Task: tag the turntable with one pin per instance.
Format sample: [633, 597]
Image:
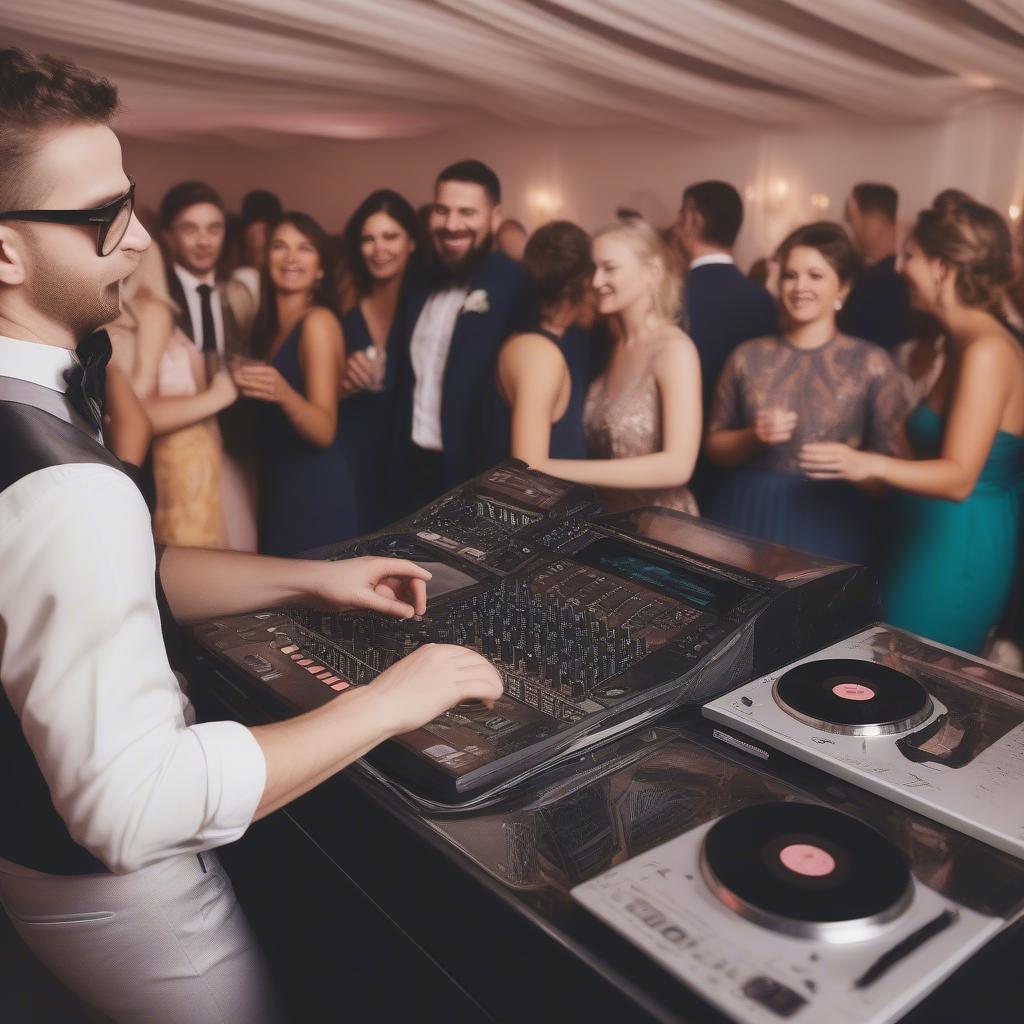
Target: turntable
[789, 910]
[928, 727]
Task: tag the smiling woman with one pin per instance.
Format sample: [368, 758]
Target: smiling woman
[809, 384]
[381, 240]
[306, 493]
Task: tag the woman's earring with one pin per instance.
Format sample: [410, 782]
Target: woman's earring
[838, 305]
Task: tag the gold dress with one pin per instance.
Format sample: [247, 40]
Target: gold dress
[187, 463]
[625, 425]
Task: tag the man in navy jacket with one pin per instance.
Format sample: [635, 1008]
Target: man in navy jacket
[460, 314]
[724, 307]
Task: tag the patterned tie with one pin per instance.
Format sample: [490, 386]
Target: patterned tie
[87, 379]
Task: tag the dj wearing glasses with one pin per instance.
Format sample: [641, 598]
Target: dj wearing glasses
[110, 799]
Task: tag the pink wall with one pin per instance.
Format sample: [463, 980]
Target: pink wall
[585, 174]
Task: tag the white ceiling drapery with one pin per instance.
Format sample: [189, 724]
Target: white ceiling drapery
[369, 69]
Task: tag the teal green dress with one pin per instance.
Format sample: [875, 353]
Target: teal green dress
[953, 562]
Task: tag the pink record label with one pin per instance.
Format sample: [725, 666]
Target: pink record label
[804, 859]
[853, 691]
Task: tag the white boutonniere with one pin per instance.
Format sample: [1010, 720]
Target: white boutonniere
[476, 302]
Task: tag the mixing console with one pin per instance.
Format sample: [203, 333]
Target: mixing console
[594, 623]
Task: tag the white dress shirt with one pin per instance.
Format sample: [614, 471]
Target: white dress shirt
[711, 257]
[250, 277]
[44, 365]
[428, 351]
[83, 663]
[190, 284]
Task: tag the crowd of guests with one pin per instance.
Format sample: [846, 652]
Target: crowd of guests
[300, 388]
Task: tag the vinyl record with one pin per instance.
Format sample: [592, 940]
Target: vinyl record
[857, 698]
[806, 870]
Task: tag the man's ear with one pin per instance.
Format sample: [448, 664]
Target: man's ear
[12, 257]
[698, 223]
[497, 219]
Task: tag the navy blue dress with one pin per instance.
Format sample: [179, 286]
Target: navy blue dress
[365, 422]
[568, 440]
[306, 494]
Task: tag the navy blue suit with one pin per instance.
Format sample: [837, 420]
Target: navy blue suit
[725, 308]
[877, 308]
[469, 390]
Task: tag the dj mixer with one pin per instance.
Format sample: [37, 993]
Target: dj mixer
[595, 622]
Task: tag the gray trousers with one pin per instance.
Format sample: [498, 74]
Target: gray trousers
[168, 944]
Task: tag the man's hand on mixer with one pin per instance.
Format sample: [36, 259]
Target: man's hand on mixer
[432, 679]
[201, 584]
[393, 586]
[303, 751]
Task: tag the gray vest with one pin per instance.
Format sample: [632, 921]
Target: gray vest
[40, 429]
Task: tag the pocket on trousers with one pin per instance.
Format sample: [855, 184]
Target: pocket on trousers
[47, 919]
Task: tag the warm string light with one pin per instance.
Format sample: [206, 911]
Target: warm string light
[820, 201]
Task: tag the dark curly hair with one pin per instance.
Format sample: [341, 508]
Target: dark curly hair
[558, 261]
[974, 241]
[39, 92]
[831, 240]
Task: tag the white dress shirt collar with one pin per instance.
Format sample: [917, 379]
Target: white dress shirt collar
[36, 362]
[190, 282]
[710, 258]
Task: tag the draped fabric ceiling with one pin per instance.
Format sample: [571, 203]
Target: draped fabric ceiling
[359, 69]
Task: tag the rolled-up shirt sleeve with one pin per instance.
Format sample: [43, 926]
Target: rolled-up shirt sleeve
[83, 664]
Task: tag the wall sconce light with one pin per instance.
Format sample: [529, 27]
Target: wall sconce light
[1014, 212]
[544, 203]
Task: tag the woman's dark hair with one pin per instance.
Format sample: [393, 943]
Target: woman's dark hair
[974, 241]
[831, 240]
[324, 294]
[398, 208]
[558, 261]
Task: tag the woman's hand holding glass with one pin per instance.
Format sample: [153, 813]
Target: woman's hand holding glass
[364, 370]
[775, 426]
[257, 379]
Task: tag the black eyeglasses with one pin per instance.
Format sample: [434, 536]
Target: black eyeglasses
[111, 219]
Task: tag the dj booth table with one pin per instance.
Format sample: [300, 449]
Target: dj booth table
[611, 632]
[370, 910]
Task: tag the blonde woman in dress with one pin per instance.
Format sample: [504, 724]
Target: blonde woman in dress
[642, 416]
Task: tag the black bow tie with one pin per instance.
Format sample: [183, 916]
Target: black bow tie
[87, 379]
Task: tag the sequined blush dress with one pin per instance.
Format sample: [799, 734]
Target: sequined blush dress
[626, 425]
[846, 390]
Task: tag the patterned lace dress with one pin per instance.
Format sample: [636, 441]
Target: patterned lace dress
[625, 425]
[846, 390]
